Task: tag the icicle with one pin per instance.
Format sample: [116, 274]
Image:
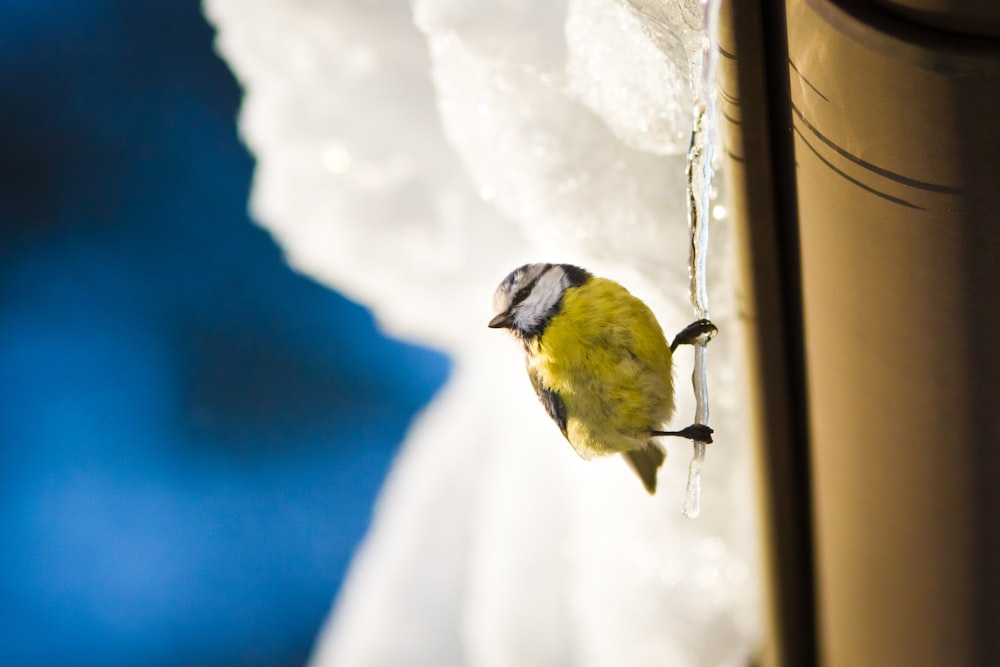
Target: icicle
[699, 183]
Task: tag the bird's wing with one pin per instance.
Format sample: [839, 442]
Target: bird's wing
[551, 400]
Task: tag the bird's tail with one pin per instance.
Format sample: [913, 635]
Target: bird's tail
[646, 462]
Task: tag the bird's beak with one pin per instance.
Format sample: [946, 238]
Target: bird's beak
[501, 321]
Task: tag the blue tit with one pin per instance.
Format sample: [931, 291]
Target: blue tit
[598, 360]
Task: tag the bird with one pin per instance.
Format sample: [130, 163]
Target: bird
[598, 360]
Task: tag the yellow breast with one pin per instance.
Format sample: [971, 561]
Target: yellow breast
[607, 358]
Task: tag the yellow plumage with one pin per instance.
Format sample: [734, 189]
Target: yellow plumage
[606, 357]
[598, 361]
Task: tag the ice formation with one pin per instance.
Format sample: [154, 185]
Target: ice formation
[410, 155]
[700, 185]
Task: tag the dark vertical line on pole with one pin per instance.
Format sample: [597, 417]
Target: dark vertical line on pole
[799, 596]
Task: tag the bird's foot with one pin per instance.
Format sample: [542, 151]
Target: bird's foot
[696, 432]
[690, 334]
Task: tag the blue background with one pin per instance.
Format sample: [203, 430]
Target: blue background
[191, 434]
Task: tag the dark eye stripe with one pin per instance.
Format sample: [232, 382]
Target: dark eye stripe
[523, 293]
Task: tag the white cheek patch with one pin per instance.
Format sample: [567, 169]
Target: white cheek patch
[508, 288]
[543, 299]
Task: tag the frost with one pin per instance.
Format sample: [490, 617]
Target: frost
[409, 156]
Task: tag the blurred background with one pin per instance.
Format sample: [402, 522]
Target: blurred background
[192, 435]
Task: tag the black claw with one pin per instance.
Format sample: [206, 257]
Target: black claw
[696, 432]
[699, 433]
[692, 332]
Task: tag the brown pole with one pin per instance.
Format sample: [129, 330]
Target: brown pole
[897, 142]
[886, 275]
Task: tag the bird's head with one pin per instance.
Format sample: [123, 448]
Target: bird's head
[531, 294]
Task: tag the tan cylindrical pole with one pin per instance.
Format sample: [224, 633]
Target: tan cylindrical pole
[872, 294]
[897, 145]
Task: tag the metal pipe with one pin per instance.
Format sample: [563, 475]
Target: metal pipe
[892, 248]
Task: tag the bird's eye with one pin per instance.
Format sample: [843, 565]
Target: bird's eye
[521, 295]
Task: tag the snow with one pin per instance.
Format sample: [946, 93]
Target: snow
[409, 156]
